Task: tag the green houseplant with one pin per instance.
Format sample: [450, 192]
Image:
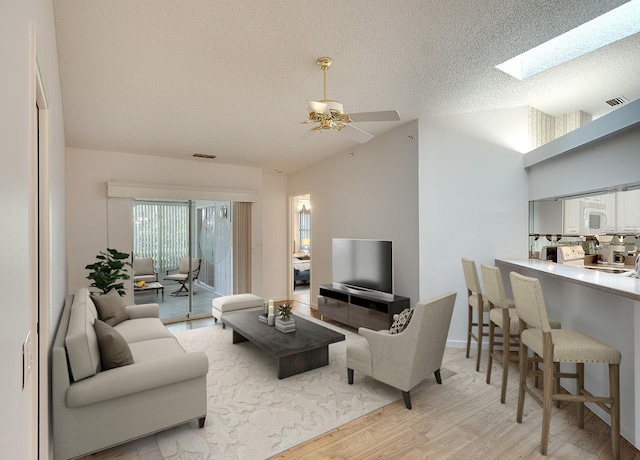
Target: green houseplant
[108, 270]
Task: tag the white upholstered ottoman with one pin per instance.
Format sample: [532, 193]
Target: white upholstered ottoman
[230, 304]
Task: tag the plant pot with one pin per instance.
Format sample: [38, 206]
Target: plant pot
[285, 325]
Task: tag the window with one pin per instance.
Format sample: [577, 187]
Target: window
[304, 229]
[161, 231]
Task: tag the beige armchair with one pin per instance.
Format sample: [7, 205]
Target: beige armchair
[404, 360]
[182, 276]
[143, 270]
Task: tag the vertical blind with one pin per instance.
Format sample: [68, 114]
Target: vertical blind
[241, 247]
[161, 231]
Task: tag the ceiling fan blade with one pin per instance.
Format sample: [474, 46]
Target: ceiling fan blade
[357, 134]
[388, 115]
[319, 107]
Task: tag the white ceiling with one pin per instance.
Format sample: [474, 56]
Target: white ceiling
[232, 78]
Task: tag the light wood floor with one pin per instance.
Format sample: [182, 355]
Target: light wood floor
[460, 419]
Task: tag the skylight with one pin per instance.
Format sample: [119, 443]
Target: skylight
[615, 25]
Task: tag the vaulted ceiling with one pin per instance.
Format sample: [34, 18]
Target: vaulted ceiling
[232, 78]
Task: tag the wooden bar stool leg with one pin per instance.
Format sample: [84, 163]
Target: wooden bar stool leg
[480, 324]
[556, 382]
[506, 348]
[547, 390]
[469, 329]
[524, 367]
[614, 392]
[491, 345]
[580, 388]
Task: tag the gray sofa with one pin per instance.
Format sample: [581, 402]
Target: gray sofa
[95, 409]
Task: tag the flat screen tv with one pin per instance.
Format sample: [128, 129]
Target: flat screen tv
[361, 264]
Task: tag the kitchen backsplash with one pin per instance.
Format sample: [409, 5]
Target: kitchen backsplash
[588, 243]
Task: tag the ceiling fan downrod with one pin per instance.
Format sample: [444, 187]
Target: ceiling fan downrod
[325, 64]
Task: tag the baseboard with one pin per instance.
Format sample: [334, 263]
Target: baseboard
[463, 344]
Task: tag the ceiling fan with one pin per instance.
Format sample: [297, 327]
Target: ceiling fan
[329, 114]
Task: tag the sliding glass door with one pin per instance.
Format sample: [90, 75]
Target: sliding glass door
[185, 245]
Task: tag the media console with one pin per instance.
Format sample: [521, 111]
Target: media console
[360, 309]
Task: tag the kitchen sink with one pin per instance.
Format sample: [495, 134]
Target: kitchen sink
[613, 270]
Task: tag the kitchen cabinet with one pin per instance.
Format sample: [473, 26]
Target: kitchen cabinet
[575, 214]
[567, 216]
[628, 211]
[609, 200]
[571, 216]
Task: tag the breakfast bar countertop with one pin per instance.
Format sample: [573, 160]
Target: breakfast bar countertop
[623, 286]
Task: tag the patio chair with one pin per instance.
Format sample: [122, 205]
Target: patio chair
[143, 270]
[182, 275]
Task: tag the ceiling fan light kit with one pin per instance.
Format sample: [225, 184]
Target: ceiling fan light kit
[329, 114]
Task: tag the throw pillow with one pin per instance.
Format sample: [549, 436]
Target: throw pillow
[110, 307]
[401, 322]
[114, 349]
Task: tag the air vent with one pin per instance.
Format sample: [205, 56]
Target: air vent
[617, 101]
[204, 155]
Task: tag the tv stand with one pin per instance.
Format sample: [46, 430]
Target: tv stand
[359, 309]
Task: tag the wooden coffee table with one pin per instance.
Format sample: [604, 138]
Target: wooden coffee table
[296, 352]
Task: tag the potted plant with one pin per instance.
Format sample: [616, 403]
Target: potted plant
[108, 270]
[284, 321]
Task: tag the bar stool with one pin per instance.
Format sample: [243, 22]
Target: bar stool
[502, 311]
[476, 302]
[561, 346]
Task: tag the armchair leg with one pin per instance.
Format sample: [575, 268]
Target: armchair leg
[407, 399]
[182, 288]
[438, 376]
[201, 421]
[350, 376]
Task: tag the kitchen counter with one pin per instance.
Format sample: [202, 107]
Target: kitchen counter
[603, 305]
[611, 283]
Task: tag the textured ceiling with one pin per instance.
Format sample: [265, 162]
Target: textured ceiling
[232, 78]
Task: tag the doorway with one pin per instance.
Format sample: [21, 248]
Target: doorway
[301, 244]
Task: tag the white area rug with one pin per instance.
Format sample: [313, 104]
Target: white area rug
[253, 415]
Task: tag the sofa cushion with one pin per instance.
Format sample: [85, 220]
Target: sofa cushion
[145, 278]
[401, 323]
[114, 351]
[80, 341]
[150, 350]
[183, 266]
[138, 330]
[110, 307]
[143, 266]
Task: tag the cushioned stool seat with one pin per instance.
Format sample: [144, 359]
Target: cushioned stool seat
[230, 304]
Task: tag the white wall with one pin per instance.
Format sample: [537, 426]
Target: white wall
[88, 207]
[274, 236]
[604, 164]
[370, 194]
[18, 93]
[473, 203]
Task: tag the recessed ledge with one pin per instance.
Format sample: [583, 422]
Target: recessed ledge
[620, 119]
